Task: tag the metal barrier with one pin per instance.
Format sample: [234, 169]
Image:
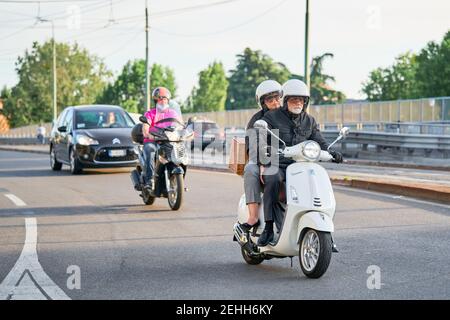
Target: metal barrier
[417, 110]
[409, 142]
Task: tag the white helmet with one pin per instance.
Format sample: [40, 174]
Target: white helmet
[266, 87]
[295, 87]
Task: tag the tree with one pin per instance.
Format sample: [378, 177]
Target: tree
[128, 90]
[395, 82]
[80, 78]
[321, 91]
[426, 74]
[433, 70]
[211, 93]
[252, 68]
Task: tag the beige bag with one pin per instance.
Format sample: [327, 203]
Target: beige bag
[238, 156]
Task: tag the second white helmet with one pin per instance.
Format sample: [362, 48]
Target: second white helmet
[295, 87]
[266, 87]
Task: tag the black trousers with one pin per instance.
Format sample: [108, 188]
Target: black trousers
[273, 211]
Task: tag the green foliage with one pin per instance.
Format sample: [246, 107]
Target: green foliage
[252, 68]
[426, 74]
[396, 82]
[128, 91]
[321, 92]
[80, 78]
[433, 71]
[211, 93]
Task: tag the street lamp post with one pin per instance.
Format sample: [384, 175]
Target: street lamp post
[307, 71]
[147, 76]
[53, 67]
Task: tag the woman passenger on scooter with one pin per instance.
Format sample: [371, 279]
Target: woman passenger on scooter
[268, 95]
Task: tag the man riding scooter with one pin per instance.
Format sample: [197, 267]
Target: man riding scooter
[161, 97]
[294, 126]
[268, 95]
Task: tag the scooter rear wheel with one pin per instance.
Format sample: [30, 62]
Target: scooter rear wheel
[249, 259]
[315, 252]
[147, 198]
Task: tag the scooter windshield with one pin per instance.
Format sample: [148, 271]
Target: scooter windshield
[168, 117]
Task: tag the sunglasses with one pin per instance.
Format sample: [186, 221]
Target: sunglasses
[271, 99]
[162, 98]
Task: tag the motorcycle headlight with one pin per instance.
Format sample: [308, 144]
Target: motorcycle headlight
[311, 150]
[173, 136]
[85, 140]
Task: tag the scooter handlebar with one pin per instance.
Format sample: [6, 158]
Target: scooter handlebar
[325, 156]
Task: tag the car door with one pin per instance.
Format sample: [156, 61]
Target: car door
[57, 135]
[66, 137]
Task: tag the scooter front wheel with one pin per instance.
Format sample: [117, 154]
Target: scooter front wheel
[175, 194]
[315, 253]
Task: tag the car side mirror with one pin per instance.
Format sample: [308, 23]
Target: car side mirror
[344, 132]
[143, 119]
[62, 129]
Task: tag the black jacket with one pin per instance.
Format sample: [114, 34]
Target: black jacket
[250, 134]
[293, 129]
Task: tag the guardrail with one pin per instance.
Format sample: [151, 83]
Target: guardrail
[409, 142]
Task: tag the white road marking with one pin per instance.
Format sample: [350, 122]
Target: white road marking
[16, 200]
[27, 279]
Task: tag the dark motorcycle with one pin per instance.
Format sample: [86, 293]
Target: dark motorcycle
[170, 163]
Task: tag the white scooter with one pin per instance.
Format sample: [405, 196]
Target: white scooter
[309, 211]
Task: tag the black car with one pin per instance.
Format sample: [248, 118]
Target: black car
[92, 136]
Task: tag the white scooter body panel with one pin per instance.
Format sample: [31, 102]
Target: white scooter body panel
[310, 204]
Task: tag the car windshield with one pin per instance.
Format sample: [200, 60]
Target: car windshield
[101, 119]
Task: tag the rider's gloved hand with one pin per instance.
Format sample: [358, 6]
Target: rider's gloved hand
[337, 156]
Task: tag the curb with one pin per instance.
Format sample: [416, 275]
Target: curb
[23, 150]
[433, 193]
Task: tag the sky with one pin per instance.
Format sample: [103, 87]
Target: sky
[187, 35]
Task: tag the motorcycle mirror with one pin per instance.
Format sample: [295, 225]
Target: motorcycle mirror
[344, 132]
[143, 119]
[260, 124]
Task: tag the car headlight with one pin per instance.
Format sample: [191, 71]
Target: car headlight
[311, 150]
[85, 140]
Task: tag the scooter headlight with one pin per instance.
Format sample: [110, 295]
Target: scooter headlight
[311, 150]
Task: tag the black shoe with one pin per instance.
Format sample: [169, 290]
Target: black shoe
[265, 238]
[247, 227]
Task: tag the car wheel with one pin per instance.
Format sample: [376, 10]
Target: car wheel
[75, 165]
[54, 163]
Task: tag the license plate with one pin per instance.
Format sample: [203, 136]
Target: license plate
[117, 153]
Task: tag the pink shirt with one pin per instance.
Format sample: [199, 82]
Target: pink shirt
[154, 116]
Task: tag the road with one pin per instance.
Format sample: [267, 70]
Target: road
[56, 227]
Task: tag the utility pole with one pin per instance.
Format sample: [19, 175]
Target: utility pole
[147, 76]
[55, 111]
[307, 80]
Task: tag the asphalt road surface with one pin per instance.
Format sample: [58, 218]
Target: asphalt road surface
[91, 237]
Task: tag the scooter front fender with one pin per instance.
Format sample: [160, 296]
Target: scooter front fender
[315, 220]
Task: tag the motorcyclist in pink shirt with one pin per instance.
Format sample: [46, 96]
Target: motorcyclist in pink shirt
[161, 96]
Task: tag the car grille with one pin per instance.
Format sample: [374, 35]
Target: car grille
[103, 155]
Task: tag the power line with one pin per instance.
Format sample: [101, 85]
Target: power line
[223, 30]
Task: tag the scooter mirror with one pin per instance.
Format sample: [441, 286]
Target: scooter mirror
[143, 119]
[260, 124]
[344, 132]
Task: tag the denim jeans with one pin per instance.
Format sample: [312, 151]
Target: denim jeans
[150, 149]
